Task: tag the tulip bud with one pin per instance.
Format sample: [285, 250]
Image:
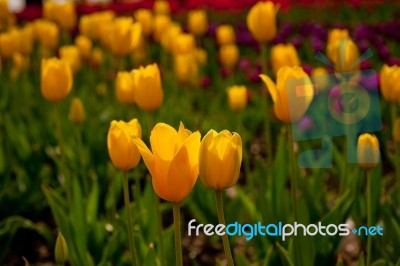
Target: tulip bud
[8, 44]
[279, 93]
[173, 161]
[186, 68]
[125, 88]
[201, 56]
[169, 38]
[122, 150]
[84, 45]
[368, 151]
[229, 56]
[76, 111]
[220, 159]
[284, 55]
[160, 26]
[390, 83]
[97, 57]
[197, 22]
[56, 79]
[149, 92]
[161, 7]
[225, 35]
[61, 250]
[70, 54]
[48, 33]
[237, 97]
[396, 131]
[184, 43]
[320, 77]
[261, 21]
[145, 18]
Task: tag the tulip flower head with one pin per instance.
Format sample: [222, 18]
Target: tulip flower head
[161, 7]
[368, 151]
[56, 79]
[71, 54]
[284, 55]
[145, 18]
[229, 56]
[122, 150]
[220, 159]
[125, 87]
[279, 93]
[390, 83]
[173, 160]
[84, 45]
[76, 111]
[197, 22]
[225, 35]
[261, 21]
[237, 97]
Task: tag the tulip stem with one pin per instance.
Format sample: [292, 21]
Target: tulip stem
[177, 225]
[159, 226]
[293, 190]
[369, 216]
[221, 220]
[393, 110]
[265, 103]
[132, 247]
[62, 153]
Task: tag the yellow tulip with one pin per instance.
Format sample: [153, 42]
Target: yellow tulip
[368, 151]
[334, 36]
[237, 97]
[61, 250]
[84, 45]
[125, 88]
[186, 68]
[320, 76]
[161, 7]
[229, 56]
[301, 98]
[122, 150]
[184, 43]
[173, 161]
[70, 54]
[225, 35]
[8, 44]
[145, 18]
[20, 62]
[26, 36]
[160, 26]
[344, 55]
[220, 159]
[197, 22]
[284, 55]
[76, 111]
[201, 56]
[148, 88]
[261, 21]
[48, 33]
[56, 79]
[168, 39]
[4, 10]
[49, 10]
[396, 131]
[390, 83]
[96, 57]
[125, 36]
[90, 25]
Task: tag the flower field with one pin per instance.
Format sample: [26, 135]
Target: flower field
[200, 133]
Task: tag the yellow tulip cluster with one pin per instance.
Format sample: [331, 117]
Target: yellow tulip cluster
[64, 14]
[141, 86]
[228, 51]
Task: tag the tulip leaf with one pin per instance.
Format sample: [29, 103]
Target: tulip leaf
[284, 254]
[380, 262]
[92, 203]
[361, 259]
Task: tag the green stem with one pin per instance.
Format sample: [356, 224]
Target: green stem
[177, 225]
[369, 216]
[60, 140]
[266, 109]
[80, 158]
[221, 220]
[159, 226]
[293, 190]
[135, 260]
[393, 109]
[150, 122]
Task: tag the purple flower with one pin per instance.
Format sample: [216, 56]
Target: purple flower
[306, 123]
[253, 76]
[205, 82]
[244, 64]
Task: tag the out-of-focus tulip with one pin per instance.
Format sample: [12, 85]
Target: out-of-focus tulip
[225, 35]
[90, 25]
[197, 22]
[334, 36]
[161, 7]
[390, 83]
[320, 77]
[4, 9]
[145, 18]
[229, 56]
[84, 45]
[48, 33]
[96, 57]
[125, 36]
[280, 95]
[344, 54]
[261, 21]
[76, 111]
[148, 88]
[368, 151]
[122, 150]
[284, 55]
[56, 79]
[168, 39]
[64, 14]
[201, 56]
[220, 159]
[237, 97]
[186, 68]
[71, 55]
[26, 36]
[61, 250]
[125, 88]
[173, 161]
[20, 62]
[184, 43]
[160, 26]
[8, 44]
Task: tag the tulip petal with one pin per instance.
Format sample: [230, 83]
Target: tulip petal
[270, 86]
[147, 156]
[164, 141]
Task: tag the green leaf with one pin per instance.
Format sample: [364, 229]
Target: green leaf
[93, 202]
[380, 262]
[361, 261]
[284, 254]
